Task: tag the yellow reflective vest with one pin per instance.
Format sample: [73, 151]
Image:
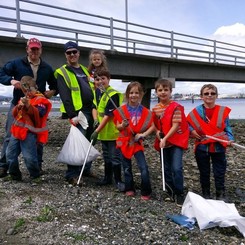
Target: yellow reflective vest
[109, 132]
[71, 81]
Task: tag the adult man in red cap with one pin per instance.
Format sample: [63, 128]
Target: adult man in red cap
[11, 74]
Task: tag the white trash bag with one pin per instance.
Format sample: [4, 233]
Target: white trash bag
[210, 213]
[75, 148]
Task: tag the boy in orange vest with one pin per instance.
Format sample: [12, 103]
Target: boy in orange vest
[28, 129]
[172, 135]
[211, 119]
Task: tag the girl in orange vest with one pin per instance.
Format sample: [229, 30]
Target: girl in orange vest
[172, 135]
[211, 119]
[28, 129]
[134, 122]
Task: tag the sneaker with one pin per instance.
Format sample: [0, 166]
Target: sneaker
[169, 198]
[3, 172]
[180, 198]
[146, 198]
[120, 186]
[130, 193]
[73, 181]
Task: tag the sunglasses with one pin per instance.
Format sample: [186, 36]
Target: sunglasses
[209, 94]
[71, 52]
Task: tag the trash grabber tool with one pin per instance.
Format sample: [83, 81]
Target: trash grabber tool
[163, 176]
[225, 141]
[85, 160]
[162, 162]
[116, 107]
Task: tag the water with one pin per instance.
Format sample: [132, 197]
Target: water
[237, 106]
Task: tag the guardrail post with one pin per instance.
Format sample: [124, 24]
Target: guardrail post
[17, 3]
[172, 45]
[111, 33]
[215, 50]
[76, 38]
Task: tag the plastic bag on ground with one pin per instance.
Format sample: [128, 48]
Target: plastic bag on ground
[75, 149]
[210, 213]
[182, 220]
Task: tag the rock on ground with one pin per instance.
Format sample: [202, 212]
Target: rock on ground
[53, 212]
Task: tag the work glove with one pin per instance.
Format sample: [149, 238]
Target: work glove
[74, 121]
[94, 137]
[96, 124]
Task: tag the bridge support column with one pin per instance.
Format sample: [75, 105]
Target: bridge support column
[147, 85]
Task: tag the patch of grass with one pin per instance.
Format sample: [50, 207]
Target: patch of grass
[46, 214]
[29, 200]
[19, 223]
[184, 238]
[76, 237]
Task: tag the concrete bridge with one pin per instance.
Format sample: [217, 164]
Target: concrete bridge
[126, 66]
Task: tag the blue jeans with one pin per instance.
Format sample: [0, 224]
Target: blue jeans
[173, 169]
[219, 163]
[145, 177]
[9, 122]
[28, 148]
[74, 171]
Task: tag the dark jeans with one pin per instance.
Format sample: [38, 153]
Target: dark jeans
[111, 154]
[173, 169]
[145, 177]
[74, 171]
[219, 164]
[28, 149]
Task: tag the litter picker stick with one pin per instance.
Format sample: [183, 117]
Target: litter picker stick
[116, 107]
[225, 141]
[163, 176]
[85, 160]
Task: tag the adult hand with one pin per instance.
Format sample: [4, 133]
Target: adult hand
[94, 137]
[16, 84]
[49, 93]
[74, 121]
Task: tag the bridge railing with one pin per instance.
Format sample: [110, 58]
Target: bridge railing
[27, 18]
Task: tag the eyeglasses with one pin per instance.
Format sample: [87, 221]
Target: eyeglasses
[209, 94]
[71, 52]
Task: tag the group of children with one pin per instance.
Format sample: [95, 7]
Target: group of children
[122, 128]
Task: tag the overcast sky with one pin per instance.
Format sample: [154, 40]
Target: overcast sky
[222, 20]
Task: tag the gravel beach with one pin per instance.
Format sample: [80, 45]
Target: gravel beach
[53, 212]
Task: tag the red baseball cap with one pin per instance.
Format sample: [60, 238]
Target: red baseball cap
[34, 43]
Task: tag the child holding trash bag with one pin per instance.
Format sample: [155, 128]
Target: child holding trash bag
[211, 119]
[172, 136]
[106, 131]
[134, 122]
[28, 129]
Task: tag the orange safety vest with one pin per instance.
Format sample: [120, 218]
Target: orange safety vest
[215, 127]
[179, 138]
[125, 140]
[21, 125]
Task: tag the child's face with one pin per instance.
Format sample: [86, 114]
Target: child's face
[134, 96]
[96, 60]
[102, 80]
[163, 93]
[209, 96]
